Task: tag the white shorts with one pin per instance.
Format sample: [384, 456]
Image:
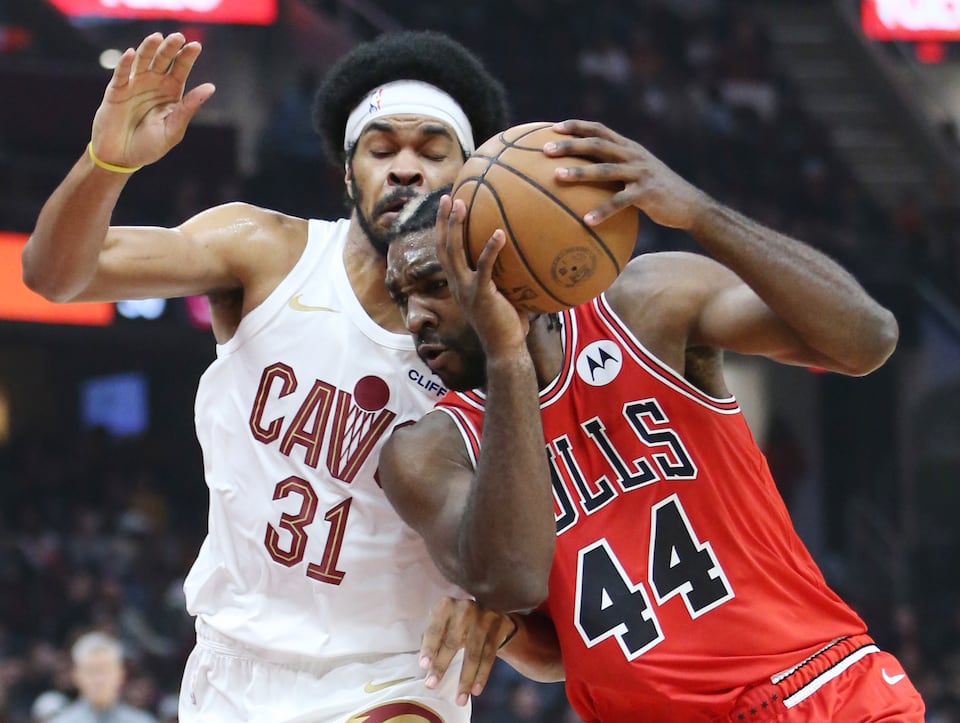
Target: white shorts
[226, 683]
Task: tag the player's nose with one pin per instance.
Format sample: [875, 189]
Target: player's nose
[419, 315]
[406, 170]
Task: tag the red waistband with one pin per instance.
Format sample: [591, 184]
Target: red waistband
[767, 700]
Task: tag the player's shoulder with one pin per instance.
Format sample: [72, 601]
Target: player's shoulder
[249, 221]
[426, 433]
[414, 444]
[669, 278]
[420, 453]
[658, 265]
[660, 295]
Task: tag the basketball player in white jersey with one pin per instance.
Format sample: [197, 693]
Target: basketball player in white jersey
[310, 594]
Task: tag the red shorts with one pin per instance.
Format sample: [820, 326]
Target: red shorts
[849, 680]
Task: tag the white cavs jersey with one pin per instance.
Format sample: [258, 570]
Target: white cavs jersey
[304, 554]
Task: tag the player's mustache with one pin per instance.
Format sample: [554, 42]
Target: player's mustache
[430, 336]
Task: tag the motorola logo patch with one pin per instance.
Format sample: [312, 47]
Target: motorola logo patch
[599, 363]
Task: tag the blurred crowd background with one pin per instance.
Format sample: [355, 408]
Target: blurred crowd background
[98, 525]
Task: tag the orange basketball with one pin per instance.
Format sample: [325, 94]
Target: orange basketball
[552, 259]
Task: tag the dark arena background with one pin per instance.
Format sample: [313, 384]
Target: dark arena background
[832, 120]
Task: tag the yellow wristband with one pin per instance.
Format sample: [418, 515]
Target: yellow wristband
[109, 166]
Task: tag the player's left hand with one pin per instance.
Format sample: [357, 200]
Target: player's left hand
[455, 624]
[649, 184]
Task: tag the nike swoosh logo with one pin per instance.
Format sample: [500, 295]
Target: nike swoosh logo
[372, 687]
[298, 305]
[892, 679]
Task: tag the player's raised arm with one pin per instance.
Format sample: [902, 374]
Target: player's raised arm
[144, 113]
[488, 522]
[784, 299]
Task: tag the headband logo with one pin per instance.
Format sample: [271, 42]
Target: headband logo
[375, 101]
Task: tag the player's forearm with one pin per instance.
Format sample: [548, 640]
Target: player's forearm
[508, 532]
[60, 258]
[534, 651]
[827, 308]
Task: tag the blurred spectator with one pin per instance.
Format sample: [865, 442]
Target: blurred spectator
[292, 172]
[99, 676]
[47, 705]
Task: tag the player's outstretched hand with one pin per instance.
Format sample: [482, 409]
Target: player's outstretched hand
[145, 112]
[649, 184]
[497, 322]
[455, 624]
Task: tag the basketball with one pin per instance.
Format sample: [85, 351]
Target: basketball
[552, 259]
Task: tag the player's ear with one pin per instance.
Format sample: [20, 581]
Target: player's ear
[347, 175]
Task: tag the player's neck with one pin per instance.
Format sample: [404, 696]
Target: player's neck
[366, 270]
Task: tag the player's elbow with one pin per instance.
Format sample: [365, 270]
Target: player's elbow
[517, 586]
[879, 340]
[513, 597]
[42, 279]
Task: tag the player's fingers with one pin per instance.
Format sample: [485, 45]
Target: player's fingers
[585, 128]
[145, 53]
[443, 209]
[434, 631]
[456, 253]
[488, 256]
[184, 60]
[617, 203]
[602, 173]
[480, 652]
[443, 230]
[181, 115]
[166, 52]
[450, 644]
[121, 73]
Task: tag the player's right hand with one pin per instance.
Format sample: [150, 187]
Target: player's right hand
[457, 623]
[145, 112]
[500, 327]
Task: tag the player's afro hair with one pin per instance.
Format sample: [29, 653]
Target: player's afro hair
[428, 56]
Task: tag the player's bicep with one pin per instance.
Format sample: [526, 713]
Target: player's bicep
[427, 476]
[734, 318]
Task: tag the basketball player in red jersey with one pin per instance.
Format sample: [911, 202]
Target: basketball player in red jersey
[678, 590]
[309, 592]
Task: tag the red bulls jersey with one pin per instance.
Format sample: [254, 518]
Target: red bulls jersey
[678, 579]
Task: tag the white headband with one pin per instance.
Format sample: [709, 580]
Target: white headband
[414, 97]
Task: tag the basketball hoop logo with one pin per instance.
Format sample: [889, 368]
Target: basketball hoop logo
[359, 421]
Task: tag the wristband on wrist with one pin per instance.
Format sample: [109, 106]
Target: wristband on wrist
[110, 166]
[516, 629]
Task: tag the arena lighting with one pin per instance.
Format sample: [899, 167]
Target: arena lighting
[18, 303]
[922, 20]
[244, 12]
[109, 58]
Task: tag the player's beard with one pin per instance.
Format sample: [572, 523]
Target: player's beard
[379, 237]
